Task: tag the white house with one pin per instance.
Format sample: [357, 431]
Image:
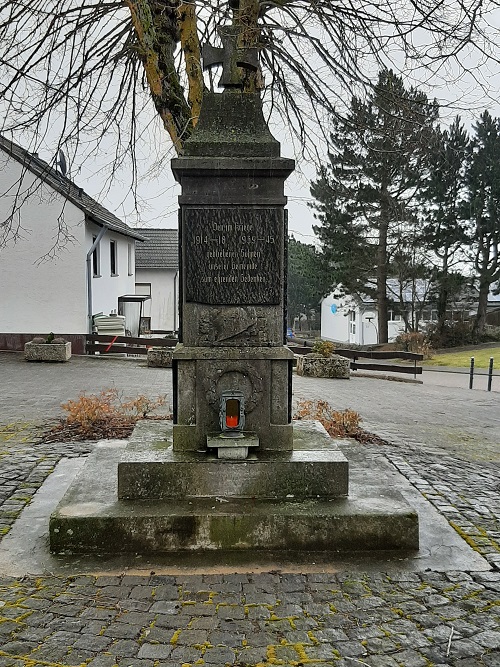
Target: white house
[348, 318]
[63, 256]
[343, 320]
[157, 276]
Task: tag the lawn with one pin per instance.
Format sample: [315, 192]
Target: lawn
[462, 359]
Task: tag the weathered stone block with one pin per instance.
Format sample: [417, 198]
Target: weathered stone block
[90, 519]
[318, 366]
[47, 351]
[151, 469]
[160, 357]
[260, 373]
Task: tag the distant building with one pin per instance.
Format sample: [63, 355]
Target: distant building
[43, 290]
[493, 308]
[352, 318]
[157, 276]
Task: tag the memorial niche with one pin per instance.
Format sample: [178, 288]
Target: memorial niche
[233, 256]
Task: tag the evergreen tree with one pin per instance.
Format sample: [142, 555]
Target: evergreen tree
[446, 233]
[306, 279]
[365, 196]
[484, 209]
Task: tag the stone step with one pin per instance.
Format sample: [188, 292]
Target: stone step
[151, 469]
[209, 524]
[91, 519]
[173, 476]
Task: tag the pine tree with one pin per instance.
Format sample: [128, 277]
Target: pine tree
[484, 209]
[365, 196]
[446, 233]
[306, 279]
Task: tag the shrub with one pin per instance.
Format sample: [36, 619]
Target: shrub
[338, 424]
[90, 412]
[39, 340]
[492, 333]
[450, 334]
[413, 342]
[324, 347]
[103, 415]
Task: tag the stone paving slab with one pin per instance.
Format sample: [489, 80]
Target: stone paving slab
[245, 619]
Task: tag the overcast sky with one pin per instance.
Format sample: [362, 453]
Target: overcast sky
[465, 94]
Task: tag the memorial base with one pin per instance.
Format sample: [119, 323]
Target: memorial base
[150, 499]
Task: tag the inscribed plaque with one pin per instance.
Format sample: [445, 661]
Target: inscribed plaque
[233, 256]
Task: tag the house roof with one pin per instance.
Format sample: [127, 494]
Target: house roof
[160, 250]
[76, 195]
[418, 292]
[409, 291]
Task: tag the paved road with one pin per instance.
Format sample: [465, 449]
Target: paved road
[445, 440]
[439, 415]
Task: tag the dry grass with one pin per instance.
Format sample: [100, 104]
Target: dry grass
[462, 359]
[102, 416]
[338, 424]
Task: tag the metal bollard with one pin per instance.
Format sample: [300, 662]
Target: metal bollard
[490, 373]
[471, 373]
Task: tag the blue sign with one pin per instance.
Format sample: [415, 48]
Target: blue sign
[333, 308]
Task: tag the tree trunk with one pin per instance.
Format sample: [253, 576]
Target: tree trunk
[442, 301]
[246, 17]
[480, 320]
[382, 301]
[157, 31]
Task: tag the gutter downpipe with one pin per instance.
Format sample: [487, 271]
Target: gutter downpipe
[102, 231]
[176, 305]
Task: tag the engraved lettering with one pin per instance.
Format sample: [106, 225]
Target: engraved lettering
[231, 256]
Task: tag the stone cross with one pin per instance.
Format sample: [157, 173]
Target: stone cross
[231, 57]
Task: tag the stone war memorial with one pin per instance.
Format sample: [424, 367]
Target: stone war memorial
[232, 472]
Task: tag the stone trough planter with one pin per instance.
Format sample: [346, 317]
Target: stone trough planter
[160, 357]
[57, 352]
[318, 366]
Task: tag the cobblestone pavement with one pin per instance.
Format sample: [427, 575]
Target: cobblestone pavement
[269, 618]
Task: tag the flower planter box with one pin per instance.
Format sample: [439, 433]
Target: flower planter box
[160, 357]
[315, 365]
[47, 351]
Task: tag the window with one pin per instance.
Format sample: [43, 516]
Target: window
[393, 316]
[113, 258]
[143, 289]
[130, 259]
[352, 322]
[145, 326]
[96, 269]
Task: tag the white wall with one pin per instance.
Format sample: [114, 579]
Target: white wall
[334, 325]
[40, 296]
[107, 288]
[162, 307]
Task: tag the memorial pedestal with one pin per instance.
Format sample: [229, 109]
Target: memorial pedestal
[262, 374]
[151, 499]
[170, 491]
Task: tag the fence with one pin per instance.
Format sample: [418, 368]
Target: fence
[109, 344]
[354, 355]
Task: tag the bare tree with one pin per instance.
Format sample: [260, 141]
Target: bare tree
[89, 72]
